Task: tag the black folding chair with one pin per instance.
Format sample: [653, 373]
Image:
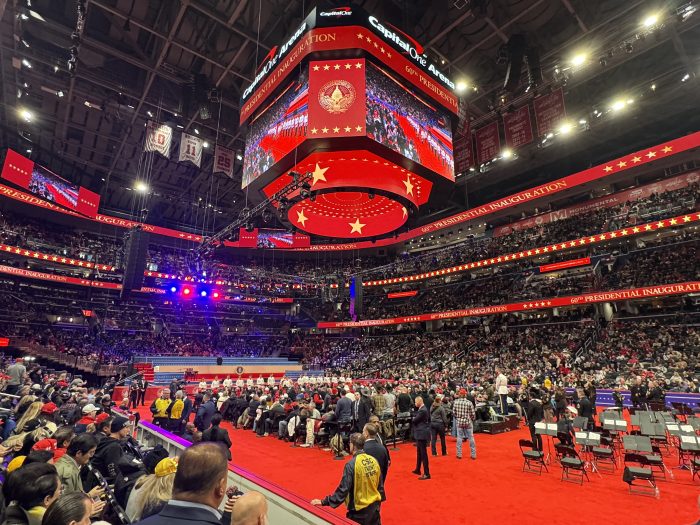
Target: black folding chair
[571, 463]
[533, 459]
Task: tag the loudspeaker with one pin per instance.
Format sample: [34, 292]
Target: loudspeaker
[219, 360]
[356, 297]
[516, 52]
[136, 249]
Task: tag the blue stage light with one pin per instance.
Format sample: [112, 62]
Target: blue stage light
[203, 293]
[173, 289]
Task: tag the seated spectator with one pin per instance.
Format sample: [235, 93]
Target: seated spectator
[250, 509]
[74, 508]
[78, 454]
[199, 488]
[30, 490]
[151, 493]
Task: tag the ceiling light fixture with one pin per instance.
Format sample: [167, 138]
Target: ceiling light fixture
[651, 20]
[579, 59]
[26, 114]
[26, 63]
[461, 86]
[141, 187]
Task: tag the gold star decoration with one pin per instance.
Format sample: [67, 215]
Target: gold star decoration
[347, 129]
[324, 130]
[409, 186]
[651, 154]
[359, 35]
[326, 67]
[358, 128]
[607, 169]
[319, 174]
[336, 129]
[336, 67]
[358, 65]
[667, 149]
[314, 131]
[316, 68]
[301, 219]
[636, 159]
[621, 164]
[348, 66]
[356, 226]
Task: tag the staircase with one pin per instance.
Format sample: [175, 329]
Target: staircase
[146, 370]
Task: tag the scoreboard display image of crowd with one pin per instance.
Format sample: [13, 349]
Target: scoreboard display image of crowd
[356, 103]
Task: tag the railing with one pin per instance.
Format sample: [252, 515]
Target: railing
[85, 364]
[283, 506]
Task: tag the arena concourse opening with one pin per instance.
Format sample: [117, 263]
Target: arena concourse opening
[385, 262]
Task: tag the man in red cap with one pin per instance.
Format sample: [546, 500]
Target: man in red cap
[465, 415]
[48, 410]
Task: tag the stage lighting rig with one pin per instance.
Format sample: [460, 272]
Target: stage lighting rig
[281, 197]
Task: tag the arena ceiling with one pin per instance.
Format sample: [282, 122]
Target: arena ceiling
[143, 58]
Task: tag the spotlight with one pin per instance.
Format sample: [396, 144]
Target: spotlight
[579, 59]
[141, 187]
[186, 291]
[507, 154]
[461, 86]
[215, 295]
[26, 114]
[239, 156]
[618, 105]
[196, 131]
[26, 63]
[173, 289]
[686, 77]
[149, 113]
[565, 128]
[205, 145]
[60, 93]
[203, 293]
[651, 20]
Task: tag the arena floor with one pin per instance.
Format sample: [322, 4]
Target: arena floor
[492, 489]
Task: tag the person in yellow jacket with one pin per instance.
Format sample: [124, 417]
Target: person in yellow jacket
[176, 410]
[160, 408]
[360, 487]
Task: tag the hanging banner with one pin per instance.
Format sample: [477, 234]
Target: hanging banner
[191, 149]
[488, 143]
[549, 112]
[17, 169]
[517, 127]
[463, 152]
[158, 138]
[223, 160]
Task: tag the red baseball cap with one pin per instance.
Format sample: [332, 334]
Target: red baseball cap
[49, 408]
[102, 417]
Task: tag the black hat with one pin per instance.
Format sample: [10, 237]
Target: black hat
[118, 423]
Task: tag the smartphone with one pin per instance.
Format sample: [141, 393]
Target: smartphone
[233, 491]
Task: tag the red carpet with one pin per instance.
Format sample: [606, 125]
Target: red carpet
[490, 490]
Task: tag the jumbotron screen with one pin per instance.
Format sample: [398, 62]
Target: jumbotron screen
[277, 130]
[53, 188]
[407, 124]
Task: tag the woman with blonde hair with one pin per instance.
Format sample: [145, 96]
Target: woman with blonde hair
[23, 404]
[32, 412]
[152, 492]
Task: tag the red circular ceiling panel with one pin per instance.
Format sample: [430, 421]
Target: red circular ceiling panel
[348, 214]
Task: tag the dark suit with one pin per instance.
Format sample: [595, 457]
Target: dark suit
[218, 435]
[204, 415]
[379, 452]
[186, 411]
[421, 433]
[177, 515]
[362, 412]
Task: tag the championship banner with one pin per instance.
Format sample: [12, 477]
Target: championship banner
[488, 143]
[223, 161]
[462, 146]
[17, 169]
[337, 103]
[191, 149]
[158, 138]
[631, 294]
[549, 112]
[517, 127]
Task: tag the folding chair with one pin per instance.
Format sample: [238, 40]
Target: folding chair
[632, 474]
[570, 461]
[532, 457]
[695, 467]
[604, 455]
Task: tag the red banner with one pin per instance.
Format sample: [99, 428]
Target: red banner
[488, 143]
[337, 103]
[563, 265]
[554, 302]
[341, 38]
[301, 240]
[17, 169]
[517, 127]
[398, 295]
[616, 199]
[549, 112]
[4, 341]
[463, 152]
[30, 274]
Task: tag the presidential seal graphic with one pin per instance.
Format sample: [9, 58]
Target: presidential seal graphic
[336, 96]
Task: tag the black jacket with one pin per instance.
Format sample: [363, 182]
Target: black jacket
[421, 424]
[535, 412]
[343, 409]
[218, 435]
[585, 408]
[379, 452]
[187, 409]
[364, 411]
[107, 455]
[204, 415]
[177, 515]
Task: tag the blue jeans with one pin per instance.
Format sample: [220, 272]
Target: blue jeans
[462, 434]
